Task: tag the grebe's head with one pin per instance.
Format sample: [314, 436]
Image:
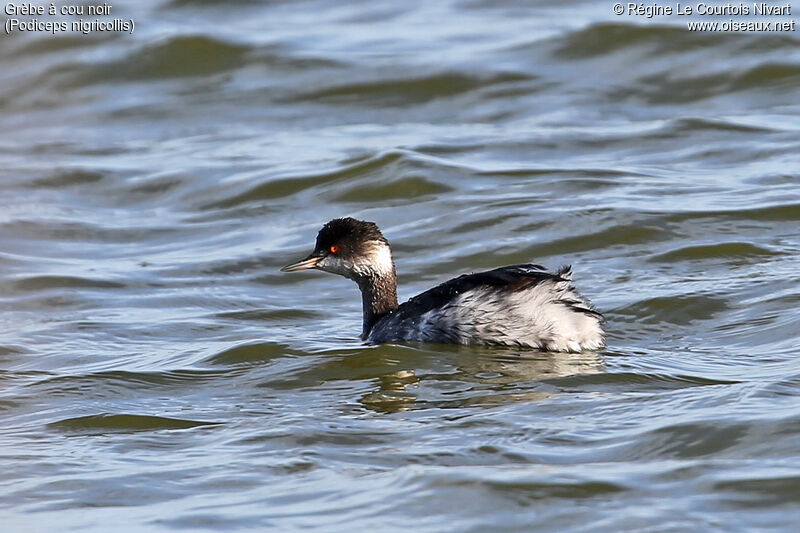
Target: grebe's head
[351, 248]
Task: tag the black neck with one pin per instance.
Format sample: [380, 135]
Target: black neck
[378, 296]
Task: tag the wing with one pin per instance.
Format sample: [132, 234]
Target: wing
[508, 278]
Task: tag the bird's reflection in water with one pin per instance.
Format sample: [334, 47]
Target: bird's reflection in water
[474, 377]
[392, 394]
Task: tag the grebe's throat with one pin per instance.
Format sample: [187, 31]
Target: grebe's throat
[377, 280]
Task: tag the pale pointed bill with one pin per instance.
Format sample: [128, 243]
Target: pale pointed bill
[309, 262]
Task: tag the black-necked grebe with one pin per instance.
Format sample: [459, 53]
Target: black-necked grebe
[519, 305]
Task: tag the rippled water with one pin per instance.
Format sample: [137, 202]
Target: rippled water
[159, 373]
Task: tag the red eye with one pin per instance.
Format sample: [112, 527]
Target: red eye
[334, 249]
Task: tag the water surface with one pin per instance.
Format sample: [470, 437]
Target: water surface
[159, 373]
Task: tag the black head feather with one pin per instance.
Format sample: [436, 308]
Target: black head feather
[349, 234]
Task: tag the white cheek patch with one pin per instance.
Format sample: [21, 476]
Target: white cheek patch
[381, 258]
[377, 260]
